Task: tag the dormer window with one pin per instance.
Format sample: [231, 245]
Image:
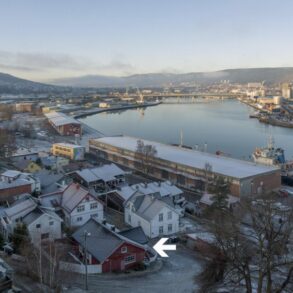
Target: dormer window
[124, 249]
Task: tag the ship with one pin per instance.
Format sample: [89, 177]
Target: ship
[272, 156]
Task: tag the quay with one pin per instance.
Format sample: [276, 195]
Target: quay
[115, 108]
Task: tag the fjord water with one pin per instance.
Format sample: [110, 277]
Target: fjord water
[224, 125]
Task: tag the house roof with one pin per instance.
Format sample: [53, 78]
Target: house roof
[11, 173]
[48, 180]
[101, 243]
[126, 191]
[136, 234]
[165, 188]
[149, 207]
[21, 206]
[38, 212]
[106, 173]
[196, 159]
[73, 195]
[14, 183]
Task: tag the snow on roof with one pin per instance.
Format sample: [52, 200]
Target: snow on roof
[59, 119]
[164, 188]
[11, 173]
[222, 165]
[20, 208]
[149, 207]
[106, 173]
[14, 183]
[126, 192]
[72, 196]
[207, 199]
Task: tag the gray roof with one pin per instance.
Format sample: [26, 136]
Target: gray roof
[135, 234]
[106, 173]
[20, 207]
[72, 195]
[101, 243]
[221, 165]
[32, 216]
[149, 207]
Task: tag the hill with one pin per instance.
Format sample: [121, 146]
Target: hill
[244, 75]
[10, 84]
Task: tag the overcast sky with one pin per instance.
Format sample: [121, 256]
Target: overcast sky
[47, 39]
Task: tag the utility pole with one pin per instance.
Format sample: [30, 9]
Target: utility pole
[86, 234]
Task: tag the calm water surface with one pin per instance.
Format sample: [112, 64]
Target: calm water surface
[223, 125]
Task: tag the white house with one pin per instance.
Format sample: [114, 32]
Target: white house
[79, 205]
[153, 215]
[41, 223]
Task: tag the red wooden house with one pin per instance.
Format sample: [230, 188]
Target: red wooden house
[105, 247]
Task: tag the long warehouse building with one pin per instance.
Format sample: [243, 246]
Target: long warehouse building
[188, 168]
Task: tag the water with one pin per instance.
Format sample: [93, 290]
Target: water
[223, 125]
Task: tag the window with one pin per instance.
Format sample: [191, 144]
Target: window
[161, 230]
[170, 228]
[38, 226]
[161, 217]
[80, 208]
[93, 205]
[79, 219]
[138, 223]
[129, 218]
[96, 215]
[51, 223]
[169, 215]
[129, 259]
[124, 249]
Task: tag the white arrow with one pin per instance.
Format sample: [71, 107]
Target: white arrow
[159, 247]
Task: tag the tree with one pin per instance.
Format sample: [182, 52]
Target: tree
[7, 143]
[220, 189]
[20, 237]
[144, 154]
[257, 255]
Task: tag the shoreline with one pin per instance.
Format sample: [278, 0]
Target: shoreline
[113, 109]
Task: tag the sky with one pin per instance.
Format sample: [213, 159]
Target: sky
[51, 39]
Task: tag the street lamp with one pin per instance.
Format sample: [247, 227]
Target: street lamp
[86, 234]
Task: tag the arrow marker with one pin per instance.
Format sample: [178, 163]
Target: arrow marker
[159, 247]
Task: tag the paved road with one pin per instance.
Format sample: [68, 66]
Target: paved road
[176, 276]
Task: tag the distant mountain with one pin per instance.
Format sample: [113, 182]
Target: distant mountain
[10, 84]
[245, 75]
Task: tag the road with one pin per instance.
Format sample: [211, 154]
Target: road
[176, 276]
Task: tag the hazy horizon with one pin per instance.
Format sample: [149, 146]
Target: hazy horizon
[43, 41]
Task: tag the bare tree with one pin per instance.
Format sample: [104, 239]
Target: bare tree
[144, 155]
[43, 263]
[7, 143]
[257, 255]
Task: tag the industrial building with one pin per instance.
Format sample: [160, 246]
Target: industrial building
[68, 150]
[189, 168]
[63, 124]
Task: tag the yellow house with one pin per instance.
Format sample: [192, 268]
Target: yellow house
[29, 166]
